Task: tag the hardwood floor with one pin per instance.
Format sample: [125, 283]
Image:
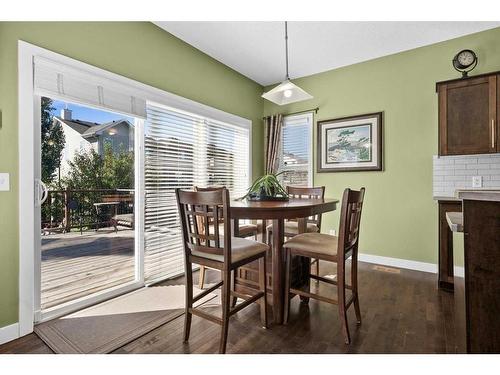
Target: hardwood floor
[401, 312]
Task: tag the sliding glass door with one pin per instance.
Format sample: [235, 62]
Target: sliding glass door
[183, 150]
[107, 159]
[101, 161]
[87, 200]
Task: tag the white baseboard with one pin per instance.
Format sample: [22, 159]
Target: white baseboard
[407, 264]
[399, 263]
[9, 333]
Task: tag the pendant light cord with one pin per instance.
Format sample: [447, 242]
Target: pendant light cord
[286, 49]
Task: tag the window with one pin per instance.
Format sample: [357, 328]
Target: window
[295, 158]
[183, 150]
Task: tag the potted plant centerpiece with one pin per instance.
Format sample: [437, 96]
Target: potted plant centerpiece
[267, 188]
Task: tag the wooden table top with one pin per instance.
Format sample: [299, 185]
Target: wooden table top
[293, 208]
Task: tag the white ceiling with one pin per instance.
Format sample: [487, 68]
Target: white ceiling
[257, 49]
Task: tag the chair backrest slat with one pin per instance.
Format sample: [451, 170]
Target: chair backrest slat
[350, 219]
[198, 211]
[192, 219]
[308, 193]
[210, 188]
[216, 227]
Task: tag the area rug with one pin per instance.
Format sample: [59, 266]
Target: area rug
[110, 325]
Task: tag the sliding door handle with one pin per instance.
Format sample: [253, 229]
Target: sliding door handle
[45, 192]
[41, 192]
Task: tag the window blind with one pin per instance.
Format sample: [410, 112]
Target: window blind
[77, 85]
[183, 150]
[295, 157]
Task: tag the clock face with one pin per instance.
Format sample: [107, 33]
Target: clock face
[465, 58]
[465, 61]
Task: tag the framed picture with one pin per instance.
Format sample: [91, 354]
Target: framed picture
[350, 144]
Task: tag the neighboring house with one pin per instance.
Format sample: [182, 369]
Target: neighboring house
[85, 136]
[295, 168]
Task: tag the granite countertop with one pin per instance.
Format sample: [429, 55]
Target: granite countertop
[472, 194]
[479, 195]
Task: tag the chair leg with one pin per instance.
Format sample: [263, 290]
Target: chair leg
[226, 293]
[234, 299]
[354, 283]
[305, 300]
[264, 231]
[262, 287]
[317, 267]
[341, 301]
[189, 301]
[286, 312]
[201, 280]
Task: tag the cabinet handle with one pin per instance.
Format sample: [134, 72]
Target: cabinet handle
[493, 133]
[493, 140]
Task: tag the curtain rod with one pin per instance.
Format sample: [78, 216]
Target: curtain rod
[315, 110]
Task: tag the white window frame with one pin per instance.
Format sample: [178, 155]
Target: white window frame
[27, 117]
[310, 169]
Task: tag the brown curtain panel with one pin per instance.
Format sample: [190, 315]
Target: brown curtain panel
[273, 124]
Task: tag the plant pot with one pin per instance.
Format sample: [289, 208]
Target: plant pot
[264, 197]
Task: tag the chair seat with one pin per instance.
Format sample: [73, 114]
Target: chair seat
[314, 245]
[292, 227]
[242, 248]
[124, 219]
[245, 230]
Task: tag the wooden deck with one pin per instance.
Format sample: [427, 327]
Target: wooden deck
[75, 265]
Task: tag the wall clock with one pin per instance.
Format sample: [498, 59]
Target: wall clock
[464, 61]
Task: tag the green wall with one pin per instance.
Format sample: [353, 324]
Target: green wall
[400, 217]
[140, 51]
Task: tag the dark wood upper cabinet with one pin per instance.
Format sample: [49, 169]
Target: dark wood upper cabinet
[468, 109]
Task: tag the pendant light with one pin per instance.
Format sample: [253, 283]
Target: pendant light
[286, 92]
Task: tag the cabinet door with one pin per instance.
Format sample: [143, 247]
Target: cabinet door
[467, 116]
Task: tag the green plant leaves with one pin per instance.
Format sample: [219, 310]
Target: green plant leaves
[269, 183]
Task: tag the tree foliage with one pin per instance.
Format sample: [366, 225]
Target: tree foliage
[53, 140]
[112, 170]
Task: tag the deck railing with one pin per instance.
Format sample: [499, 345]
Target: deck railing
[68, 209]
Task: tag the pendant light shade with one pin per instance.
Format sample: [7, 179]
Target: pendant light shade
[286, 92]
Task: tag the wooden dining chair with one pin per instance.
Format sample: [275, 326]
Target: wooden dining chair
[217, 250]
[313, 223]
[244, 230]
[332, 249]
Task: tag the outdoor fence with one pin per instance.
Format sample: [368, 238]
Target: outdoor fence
[65, 210]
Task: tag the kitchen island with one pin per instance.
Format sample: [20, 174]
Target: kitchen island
[477, 294]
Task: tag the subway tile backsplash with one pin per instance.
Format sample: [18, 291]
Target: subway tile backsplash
[455, 172]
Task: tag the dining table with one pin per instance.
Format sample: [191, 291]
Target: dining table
[277, 212]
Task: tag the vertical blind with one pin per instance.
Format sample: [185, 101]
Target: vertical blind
[183, 150]
[295, 157]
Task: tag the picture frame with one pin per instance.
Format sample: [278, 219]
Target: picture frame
[350, 144]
